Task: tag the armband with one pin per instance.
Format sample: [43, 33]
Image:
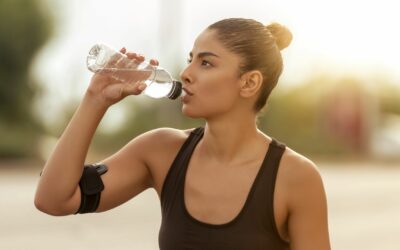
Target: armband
[91, 187]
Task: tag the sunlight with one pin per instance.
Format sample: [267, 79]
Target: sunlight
[356, 34]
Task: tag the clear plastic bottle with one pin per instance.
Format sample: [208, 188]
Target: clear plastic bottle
[105, 60]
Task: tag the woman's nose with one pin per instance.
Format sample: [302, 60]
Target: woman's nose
[185, 75]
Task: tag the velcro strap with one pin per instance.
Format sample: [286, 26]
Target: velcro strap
[91, 183]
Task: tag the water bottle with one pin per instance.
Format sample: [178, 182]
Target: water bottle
[105, 60]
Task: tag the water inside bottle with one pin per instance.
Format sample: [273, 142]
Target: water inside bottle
[159, 82]
[127, 75]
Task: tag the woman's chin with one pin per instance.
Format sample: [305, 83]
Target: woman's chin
[186, 111]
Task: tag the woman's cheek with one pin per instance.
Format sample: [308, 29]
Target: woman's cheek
[212, 85]
[216, 90]
[212, 93]
[219, 100]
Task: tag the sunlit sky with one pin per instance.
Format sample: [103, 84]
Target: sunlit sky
[339, 37]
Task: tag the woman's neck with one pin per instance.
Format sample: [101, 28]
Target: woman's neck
[231, 140]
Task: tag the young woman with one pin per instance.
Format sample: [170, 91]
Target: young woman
[226, 185]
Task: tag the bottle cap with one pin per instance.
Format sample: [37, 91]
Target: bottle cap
[176, 90]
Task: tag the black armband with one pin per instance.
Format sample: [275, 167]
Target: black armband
[91, 187]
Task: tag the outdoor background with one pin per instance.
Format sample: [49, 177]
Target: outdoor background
[337, 102]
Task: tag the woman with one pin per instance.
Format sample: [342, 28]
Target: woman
[224, 186]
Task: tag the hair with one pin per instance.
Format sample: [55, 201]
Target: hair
[259, 47]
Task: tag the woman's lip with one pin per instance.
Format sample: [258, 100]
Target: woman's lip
[185, 98]
[187, 91]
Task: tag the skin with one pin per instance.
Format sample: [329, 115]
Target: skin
[223, 165]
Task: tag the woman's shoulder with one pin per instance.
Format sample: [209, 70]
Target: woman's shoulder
[298, 171]
[166, 135]
[161, 142]
[304, 195]
[159, 149]
[157, 143]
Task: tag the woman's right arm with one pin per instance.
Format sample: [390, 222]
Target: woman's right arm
[58, 191]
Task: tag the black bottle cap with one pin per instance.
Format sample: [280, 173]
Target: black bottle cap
[176, 90]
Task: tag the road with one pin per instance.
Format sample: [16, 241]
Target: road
[363, 201]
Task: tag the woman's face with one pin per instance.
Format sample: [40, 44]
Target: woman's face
[212, 76]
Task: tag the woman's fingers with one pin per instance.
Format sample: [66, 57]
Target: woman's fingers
[131, 55]
[140, 58]
[133, 88]
[117, 91]
[154, 62]
[135, 56]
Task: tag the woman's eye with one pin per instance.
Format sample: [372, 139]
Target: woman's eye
[205, 63]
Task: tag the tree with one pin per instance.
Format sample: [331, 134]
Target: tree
[25, 26]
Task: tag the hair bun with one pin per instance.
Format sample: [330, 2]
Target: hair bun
[281, 33]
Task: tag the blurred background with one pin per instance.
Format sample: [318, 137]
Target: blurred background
[337, 102]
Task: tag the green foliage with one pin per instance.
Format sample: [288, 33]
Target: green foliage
[292, 117]
[389, 97]
[24, 28]
[298, 116]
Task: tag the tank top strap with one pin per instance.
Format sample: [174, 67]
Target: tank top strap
[176, 173]
[264, 194]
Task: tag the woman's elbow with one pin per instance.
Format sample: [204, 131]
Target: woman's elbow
[49, 209]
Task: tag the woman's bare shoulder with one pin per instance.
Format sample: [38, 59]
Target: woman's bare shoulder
[306, 201]
[162, 136]
[291, 157]
[297, 168]
[159, 149]
[157, 144]
[161, 144]
[301, 179]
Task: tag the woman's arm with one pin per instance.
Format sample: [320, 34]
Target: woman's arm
[63, 170]
[308, 216]
[58, 191]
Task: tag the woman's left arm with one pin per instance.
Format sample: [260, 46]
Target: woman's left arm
[308, 212]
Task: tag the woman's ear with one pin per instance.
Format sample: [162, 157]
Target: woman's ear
[250, 83]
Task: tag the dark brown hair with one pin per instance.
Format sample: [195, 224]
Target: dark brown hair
[259, 47]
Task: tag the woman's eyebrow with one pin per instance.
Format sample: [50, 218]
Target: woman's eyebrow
[203, 54]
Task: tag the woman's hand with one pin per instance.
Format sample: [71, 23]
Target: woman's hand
[108, 90]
